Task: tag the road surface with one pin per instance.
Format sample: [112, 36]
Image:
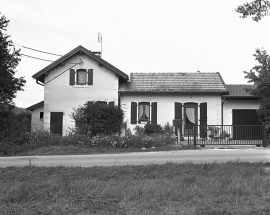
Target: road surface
[196, 156]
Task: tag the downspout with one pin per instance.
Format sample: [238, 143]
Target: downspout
[222, 102]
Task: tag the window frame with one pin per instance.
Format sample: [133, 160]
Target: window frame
[144, 106]
[78, 71]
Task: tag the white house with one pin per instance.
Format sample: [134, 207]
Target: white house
[81, 76]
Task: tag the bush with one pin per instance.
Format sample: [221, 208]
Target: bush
[95, 118]
[152, 128]
[139, 130]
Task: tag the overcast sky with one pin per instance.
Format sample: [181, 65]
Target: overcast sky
[138, 36]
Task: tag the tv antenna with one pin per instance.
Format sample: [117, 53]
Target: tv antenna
[100, 41]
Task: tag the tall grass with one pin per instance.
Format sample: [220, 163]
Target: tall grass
[230, 188]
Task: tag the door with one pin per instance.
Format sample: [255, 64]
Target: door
[246, 124]
[56, 125]
[190, 118]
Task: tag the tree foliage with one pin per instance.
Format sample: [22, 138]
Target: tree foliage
[9, 59]
[256, 9]
[97, 118]
[260, 76]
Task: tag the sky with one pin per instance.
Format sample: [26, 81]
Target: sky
[138, 36]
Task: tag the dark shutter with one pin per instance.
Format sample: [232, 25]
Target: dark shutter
[90, 76]
[72, 77]
[203, 120]
[154, 113]
[133, 118]
[178, 113]
[111, 104]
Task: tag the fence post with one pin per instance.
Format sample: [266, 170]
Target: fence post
[195, 134]
[264, 141]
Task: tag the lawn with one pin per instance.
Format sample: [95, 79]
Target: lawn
[209, 189]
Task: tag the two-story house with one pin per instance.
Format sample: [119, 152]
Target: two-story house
[80, 76]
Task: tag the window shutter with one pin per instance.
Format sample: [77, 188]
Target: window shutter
[178, 113]
[133, 118]
[111, 104]
[154, 113]
[72, 77]
[90, 76]
[203, 120]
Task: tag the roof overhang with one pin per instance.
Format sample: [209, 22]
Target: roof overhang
[31, 108]
[40, 76]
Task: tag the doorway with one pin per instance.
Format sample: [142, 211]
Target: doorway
[190, 118]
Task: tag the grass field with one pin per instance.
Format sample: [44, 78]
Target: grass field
[209, 189]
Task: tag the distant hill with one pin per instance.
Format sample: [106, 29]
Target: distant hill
[18, 110]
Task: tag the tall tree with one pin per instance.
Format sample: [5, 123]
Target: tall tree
[9, 59]
[256, 9]
[260, 76]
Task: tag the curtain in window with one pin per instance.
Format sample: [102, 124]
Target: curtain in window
[140, 111]
[190, 112]
[147, 111]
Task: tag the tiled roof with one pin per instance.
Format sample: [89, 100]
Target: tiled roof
[35, 106]
[174, 82]
[238, 90]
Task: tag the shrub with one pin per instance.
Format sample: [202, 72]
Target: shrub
[168, 129]
[139, 130]
[95, 118]
[152, 128]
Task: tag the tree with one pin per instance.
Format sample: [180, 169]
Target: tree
[256, 9]
[260, 76]
[9, 60]
[95, 118]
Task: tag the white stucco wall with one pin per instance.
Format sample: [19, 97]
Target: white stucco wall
[36, 122]
[166, 109]
[229, 105]
[59, 96]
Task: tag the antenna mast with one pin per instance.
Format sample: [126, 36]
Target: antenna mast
[100, 41]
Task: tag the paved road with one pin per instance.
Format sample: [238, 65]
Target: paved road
[198, 156]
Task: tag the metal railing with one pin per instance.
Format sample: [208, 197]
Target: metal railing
[226, 134]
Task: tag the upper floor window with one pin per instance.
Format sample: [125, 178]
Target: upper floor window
[81, 77]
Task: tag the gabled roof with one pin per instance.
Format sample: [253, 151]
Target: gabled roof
[41, 74]
[174, 82]
[35, 106]
[239, 91]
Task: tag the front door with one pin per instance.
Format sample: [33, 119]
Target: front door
[190, 118]
[56, 125]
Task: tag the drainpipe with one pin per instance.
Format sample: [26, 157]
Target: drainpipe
[222, 102]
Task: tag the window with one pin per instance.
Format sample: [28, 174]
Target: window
[143, 112]
[81, 77]
[41, 114]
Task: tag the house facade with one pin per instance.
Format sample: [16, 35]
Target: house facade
[81, 76]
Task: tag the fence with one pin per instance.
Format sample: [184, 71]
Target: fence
[226, 135]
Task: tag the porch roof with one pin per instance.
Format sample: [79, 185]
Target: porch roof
[174, 82]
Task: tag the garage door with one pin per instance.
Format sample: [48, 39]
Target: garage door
[246, 123]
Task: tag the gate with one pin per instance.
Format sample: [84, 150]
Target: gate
[227, 135]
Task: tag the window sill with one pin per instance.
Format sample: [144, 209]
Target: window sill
[81, 86]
